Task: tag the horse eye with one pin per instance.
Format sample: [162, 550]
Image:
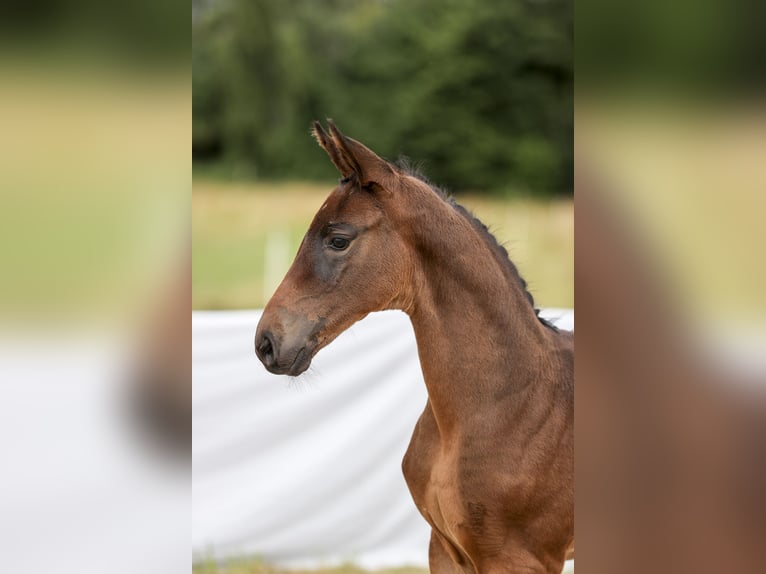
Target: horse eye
[339, 243]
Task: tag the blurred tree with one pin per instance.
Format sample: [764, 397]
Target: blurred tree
[695, 50]
[479, 90]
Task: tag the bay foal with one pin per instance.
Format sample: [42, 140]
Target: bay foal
[490, 465]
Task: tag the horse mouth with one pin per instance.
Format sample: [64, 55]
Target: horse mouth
[301, 362]
[299, 365]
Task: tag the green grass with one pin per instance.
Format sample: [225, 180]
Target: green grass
[234, 222]
[689, 182]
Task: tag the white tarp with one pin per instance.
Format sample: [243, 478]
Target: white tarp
[307, 471]
[82, 489]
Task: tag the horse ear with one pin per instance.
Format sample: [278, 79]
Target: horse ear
[351, 157]
[328, 144]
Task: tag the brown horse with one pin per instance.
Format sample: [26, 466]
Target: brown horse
[491, 462]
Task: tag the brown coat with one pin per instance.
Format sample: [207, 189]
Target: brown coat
[490, 465]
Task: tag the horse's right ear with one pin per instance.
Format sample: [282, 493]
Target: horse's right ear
[352, 158]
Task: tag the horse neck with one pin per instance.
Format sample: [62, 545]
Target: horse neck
[479, 339]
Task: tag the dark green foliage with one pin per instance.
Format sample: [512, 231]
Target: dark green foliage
[693, 50]
[480, 91]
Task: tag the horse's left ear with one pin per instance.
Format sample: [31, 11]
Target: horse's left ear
[353, 158]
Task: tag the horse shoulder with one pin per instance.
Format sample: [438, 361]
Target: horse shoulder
[421, 456]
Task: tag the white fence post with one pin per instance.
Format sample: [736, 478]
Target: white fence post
[276, 261]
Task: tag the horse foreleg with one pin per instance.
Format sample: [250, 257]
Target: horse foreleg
[439, 559]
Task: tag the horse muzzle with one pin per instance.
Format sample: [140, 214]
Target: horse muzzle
[285, 349]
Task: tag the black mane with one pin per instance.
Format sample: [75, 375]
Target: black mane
[411, 169]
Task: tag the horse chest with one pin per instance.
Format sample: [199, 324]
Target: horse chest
[438, 489]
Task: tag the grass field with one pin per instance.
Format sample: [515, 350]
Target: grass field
[259, 567]
[245, 236]
[690, 180]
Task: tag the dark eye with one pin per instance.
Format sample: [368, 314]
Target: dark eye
[339, 243]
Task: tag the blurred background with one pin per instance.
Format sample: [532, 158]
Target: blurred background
[477, 92]
[670, 112]
[95, 177]
[670, 186]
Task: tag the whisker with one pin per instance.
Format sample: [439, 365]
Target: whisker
[306, 381]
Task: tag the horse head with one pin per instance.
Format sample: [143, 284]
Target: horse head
[353, 260]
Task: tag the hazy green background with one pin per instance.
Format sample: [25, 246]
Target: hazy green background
[480, 91]
[244, 236]
[95, 101]
[477, 92]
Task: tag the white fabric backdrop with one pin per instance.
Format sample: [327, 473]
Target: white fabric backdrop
[81, 488]
[307, 471]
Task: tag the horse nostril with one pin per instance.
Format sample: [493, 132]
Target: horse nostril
[265, 348]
